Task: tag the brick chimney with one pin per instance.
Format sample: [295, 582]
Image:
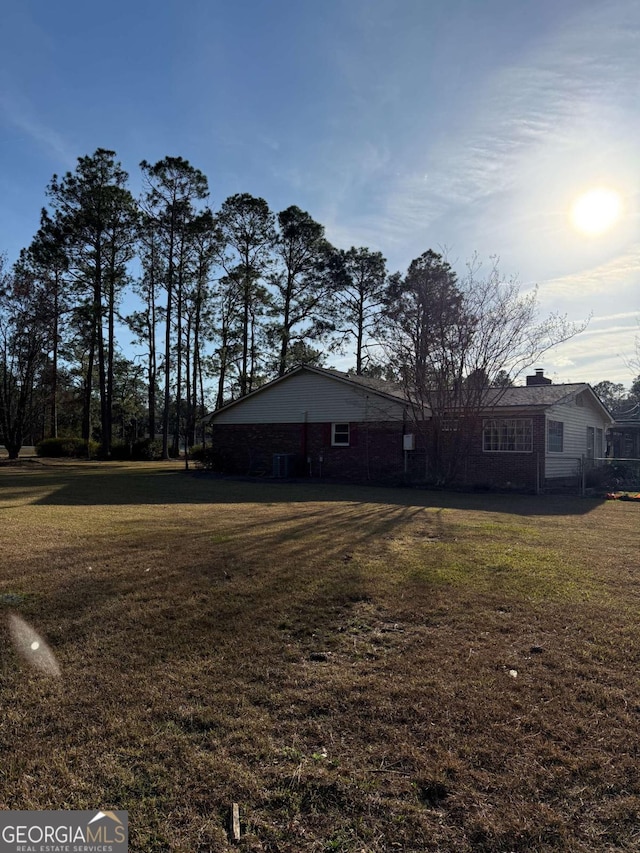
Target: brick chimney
[538, 378]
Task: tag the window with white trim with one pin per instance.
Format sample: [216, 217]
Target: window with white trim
[340, 435]
[507, 435]
[555, 436]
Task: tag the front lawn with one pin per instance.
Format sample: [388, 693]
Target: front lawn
[360, 669]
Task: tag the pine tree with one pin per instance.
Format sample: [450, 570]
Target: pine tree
[97, 214]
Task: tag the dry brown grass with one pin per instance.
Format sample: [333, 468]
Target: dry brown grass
[335, 659]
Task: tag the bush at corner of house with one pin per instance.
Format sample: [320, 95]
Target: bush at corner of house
[208, 458]
[146, 450]
[197, 453]
[66, 447]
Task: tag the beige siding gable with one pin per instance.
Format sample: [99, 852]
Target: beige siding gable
[311, 397]
[576, 415]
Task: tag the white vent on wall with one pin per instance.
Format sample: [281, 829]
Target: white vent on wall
[409, 441]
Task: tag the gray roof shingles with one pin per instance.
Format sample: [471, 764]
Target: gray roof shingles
[525, 395]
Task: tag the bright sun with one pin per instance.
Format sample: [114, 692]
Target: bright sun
[596, 211]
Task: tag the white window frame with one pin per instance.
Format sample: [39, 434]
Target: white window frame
[555, 436]
[507, 435]
[339, 427]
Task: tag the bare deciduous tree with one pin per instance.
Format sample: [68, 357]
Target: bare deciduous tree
[457, 346]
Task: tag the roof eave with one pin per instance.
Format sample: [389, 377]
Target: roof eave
[310, 369]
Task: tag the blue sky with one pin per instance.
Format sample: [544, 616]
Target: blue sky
[401, 125]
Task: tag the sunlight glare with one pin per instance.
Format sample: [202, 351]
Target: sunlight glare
[31, 647]
[596, 211]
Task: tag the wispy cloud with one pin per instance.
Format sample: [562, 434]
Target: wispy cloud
[613, 277]
[566, 109]
[594, 357]
[573, 83]
[19, 113]
[627, 315]
[604, 350]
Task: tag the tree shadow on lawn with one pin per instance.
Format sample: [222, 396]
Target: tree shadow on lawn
[131, 608]
[108, 484]
[191, 638]
[215, 657]
[140, 646]
[180, 584]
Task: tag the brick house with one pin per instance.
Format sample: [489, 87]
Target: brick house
[318, 422]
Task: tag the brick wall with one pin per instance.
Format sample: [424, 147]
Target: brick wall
[375, 453]
[506, 470]
[473, 466]
[249, 448]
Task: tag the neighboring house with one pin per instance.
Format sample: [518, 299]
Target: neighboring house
[319, 422]
[625, 436]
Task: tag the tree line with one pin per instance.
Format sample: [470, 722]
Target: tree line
[235, 297]
[225, 301]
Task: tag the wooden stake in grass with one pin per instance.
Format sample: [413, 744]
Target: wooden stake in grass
[234, 822]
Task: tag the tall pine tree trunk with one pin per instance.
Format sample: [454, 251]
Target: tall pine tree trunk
[167, 353]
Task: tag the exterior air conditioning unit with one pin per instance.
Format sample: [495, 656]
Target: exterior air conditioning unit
[409, 441]
[283, 465]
